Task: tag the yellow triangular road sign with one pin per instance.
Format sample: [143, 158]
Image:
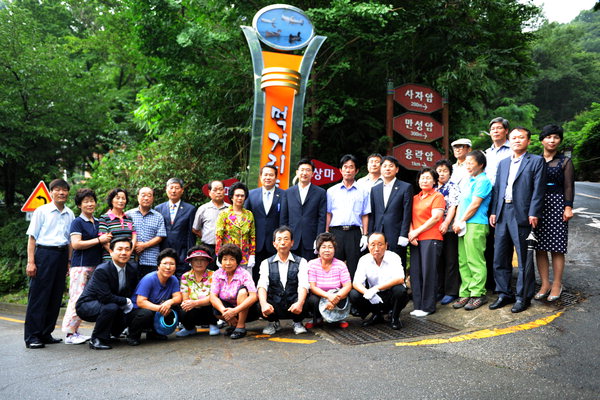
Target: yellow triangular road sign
[39, 197]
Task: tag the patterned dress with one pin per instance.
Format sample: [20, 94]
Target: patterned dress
[552, 231]
[236, 229]
[196, 290]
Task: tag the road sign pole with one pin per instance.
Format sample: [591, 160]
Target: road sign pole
[446, 123]
[389, 128]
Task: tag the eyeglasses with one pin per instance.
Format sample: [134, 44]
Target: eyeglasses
[168, 264]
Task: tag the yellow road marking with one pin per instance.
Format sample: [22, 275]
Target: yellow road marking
[299, 341]
[12, 320]
[485, 333]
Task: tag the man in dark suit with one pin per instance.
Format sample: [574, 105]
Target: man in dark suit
[179, 220]
[516, 207]
[391, 208]
[265, 204]
[304, 210]
[106, 298]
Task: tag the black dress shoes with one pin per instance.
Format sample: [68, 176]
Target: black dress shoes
[501, 302]
[35, 344]
[395, 324]
[156, 336]
[51, 340]
[98, 344]
[520, 306]
[133, 341]
[376, 318]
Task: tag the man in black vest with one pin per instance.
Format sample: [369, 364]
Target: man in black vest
[106, 298]
[283, 284]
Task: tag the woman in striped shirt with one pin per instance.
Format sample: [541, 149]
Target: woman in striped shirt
[115, 221]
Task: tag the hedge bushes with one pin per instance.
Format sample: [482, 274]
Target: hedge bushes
[13, 250]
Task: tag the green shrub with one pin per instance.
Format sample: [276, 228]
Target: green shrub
[13, 250]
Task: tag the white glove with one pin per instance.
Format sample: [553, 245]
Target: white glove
[363, 242]
[251, 261]
[371, 292]
[376, 299]
[402, 241]
[127, 307]
[315, 247]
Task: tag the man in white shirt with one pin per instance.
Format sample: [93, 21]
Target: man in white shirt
[378, 285]
[283, 284]
[500, 148]
[498, 151]
[205, 220]
[374, 176]
[460, 176]
[48, 257]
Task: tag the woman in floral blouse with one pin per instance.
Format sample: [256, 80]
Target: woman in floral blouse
[448, 275]
[236, 225]
[195, 289]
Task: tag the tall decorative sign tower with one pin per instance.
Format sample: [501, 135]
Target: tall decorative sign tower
[280, 80]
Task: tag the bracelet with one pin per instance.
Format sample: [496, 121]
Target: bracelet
[99, 240]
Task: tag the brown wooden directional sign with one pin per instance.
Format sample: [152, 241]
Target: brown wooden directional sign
[418, 98]
[419, 127]
[415, 156]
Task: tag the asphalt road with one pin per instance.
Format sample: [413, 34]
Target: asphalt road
[555, 361]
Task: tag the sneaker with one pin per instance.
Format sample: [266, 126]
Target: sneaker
[419, 313]
[476, 302]
[76, 338]
[298, 328]
[213, 330]
[221, 324]
[186, 332]
[271, 328]
[460, 303]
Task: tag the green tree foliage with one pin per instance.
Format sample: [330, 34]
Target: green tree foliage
[189, 157]
[452, 46]
[568, 78]
[65, 95]
[583, 136]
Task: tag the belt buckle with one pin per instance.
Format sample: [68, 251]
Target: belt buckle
[346, 227]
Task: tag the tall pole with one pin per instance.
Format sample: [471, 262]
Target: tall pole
[389, 129]
[446, 123]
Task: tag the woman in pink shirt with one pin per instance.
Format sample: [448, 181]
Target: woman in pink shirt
[232, 292]
[329, 279]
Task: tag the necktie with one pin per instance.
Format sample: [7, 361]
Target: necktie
[173, 211]
[267, 202]
[121, 278]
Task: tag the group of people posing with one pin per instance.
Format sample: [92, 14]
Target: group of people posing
[304, 253]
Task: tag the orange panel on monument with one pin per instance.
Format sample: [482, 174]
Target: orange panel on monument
[280, 82]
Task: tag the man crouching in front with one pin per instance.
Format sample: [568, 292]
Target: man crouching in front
[106, 298]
